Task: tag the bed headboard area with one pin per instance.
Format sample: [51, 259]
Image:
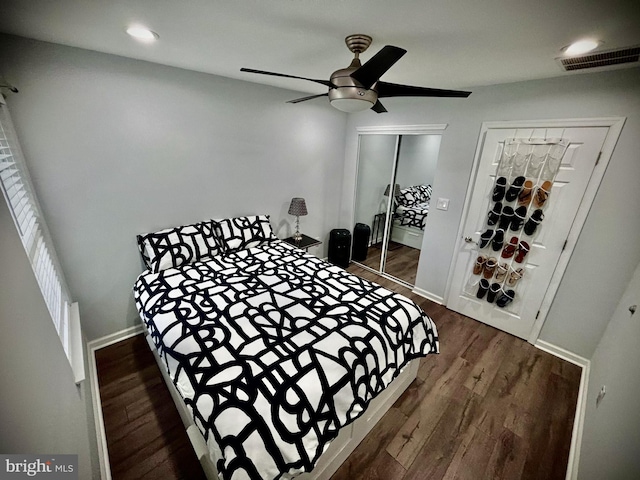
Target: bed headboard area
[413, 195]
[176, 246]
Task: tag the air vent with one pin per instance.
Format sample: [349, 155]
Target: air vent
[601, 59]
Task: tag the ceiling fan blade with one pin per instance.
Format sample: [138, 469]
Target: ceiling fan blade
[385, 89]
[376, 66]
[273, 74]
[379, 108]
[304, 99]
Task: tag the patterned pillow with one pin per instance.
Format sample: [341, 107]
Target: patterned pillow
[424, 192]
[177, 246]
[407, 197]
[244, 232]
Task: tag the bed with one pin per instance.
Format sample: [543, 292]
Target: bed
[410, 215]
[274, 356]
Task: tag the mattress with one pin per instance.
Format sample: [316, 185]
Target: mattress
[274, 350]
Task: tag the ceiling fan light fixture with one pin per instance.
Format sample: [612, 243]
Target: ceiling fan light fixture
[351, 105]
[357, 87]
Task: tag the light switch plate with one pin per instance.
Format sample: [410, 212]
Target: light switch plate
[442, 204]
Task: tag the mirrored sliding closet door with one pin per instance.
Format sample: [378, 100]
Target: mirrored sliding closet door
[392, 200]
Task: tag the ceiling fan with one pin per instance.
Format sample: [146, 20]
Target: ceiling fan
[358, 87]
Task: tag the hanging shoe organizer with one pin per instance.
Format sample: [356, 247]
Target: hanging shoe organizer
[520, 195]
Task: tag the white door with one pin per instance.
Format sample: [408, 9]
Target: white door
[546, 243]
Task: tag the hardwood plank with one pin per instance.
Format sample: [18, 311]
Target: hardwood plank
[508, 457]
[153, 420]
[527, 409]
[433, 367]
[438, 451]
[486, 367]
[383, 468]
[478, 343]
[176, 466]
[567, 370]
[128, 382]
[145, 435]
[511, 378]
[121, 358]
[131, 387]
[548, 448]
[402, 261]
[445, 375]
[364, 457]
[151, 456]
[407, 443]
[472, 456]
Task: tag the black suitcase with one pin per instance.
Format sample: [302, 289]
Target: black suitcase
[361, 234]
[339, 247]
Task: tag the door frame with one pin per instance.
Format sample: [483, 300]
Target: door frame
[397, 131]
[615, 125]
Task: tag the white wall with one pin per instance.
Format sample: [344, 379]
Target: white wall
[608, 248]
[41, 409]
[118, 147]
[611, 435]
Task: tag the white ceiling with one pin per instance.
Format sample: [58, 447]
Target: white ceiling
[450, 43]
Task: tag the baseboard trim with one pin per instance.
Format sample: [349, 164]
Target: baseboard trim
[92, 347]
[101, 438]
[561, 353]
[116, 337]
[428, 295]
[581, 405]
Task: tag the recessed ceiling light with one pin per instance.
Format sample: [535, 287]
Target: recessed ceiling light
[142, 33]
[581, 46]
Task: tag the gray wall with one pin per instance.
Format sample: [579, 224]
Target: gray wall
[42, 411]
[418, 160]
[608, 248]
[374, 174]
[118, 147]
[611, 436]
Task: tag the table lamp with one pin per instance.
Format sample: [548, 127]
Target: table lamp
[298, 208]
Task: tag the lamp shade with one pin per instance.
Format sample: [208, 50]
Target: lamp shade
[396, 190]
[298, 207]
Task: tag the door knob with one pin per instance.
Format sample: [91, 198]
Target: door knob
[468, 240]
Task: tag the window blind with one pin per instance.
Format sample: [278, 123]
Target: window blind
[24, 207]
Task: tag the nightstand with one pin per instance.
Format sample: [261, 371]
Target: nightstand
[305, 242]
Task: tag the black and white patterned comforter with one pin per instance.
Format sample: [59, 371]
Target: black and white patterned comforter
[274, 350]
[413, 216]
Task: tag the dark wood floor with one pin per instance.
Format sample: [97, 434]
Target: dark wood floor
[489, 406]
[145, 435]
[402, 261]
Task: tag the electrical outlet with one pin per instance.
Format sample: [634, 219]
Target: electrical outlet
[601, 394]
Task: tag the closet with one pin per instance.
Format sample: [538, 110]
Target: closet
[393, 190]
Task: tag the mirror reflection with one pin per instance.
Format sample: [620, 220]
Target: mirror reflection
[393, 196]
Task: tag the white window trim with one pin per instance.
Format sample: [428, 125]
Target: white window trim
[19, 194]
